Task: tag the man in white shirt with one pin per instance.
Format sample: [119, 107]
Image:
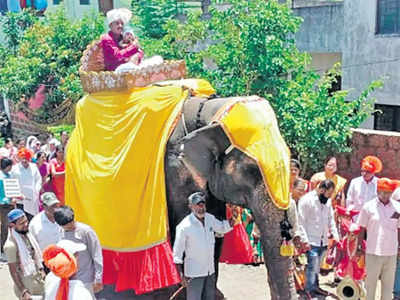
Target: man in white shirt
[43, 226]
[317, 221]
[364, 188]
[30, 180]
[195, 238]
[298, 191]
[380, 219]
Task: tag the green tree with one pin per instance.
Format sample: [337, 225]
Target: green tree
[57, 130]
[14, 25]
[250, 49]
[153, 15]
[47, 53]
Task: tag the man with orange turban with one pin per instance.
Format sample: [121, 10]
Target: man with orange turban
[364, 188]
[62, 261]
[30, 181]
[379, 218]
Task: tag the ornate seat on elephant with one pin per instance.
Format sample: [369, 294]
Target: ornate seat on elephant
[94, 78]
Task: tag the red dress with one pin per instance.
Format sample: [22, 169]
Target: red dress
[57, 182]
[237, 247]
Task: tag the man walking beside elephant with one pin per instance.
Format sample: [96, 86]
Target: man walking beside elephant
[317, 221]
[195, 238]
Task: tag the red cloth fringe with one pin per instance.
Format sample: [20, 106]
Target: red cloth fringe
[143, 271]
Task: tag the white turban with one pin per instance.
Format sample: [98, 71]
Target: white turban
[123, 14]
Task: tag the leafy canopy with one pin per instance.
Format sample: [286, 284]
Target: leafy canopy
[250, 49]
[246, 49]
[47, 52]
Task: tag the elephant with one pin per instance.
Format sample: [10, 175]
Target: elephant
[196, 160]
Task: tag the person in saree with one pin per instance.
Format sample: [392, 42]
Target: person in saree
[330, 168]
[114, 54]
[338, 198]
[295, 169]
[44, 169]
[237, 248]
[57, 169]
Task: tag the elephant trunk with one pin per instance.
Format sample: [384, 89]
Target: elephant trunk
[280, 269]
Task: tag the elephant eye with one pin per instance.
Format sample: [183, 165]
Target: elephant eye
[253, 171]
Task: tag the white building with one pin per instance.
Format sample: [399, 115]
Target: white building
[364, 35]
[78, 8]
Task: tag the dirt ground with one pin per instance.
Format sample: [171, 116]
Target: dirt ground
[237, 282]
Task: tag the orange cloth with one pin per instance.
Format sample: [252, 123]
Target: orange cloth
[25, 153]
[387, 185]
[63, 265]
[371, 164]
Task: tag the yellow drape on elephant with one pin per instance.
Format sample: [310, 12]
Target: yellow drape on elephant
[260, 139]
[115, 164]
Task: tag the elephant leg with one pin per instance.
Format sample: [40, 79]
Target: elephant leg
[280, 269]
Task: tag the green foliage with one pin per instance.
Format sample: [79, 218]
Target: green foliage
[315, 122]
[14, 26]
[153, 15]
[252, 44]
[56, 130]
[48, 53]
[252, 50]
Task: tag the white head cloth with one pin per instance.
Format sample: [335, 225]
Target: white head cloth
[123, 14]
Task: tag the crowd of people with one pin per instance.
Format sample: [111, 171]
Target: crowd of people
[40, 239]
[39, 235]
[354, 235]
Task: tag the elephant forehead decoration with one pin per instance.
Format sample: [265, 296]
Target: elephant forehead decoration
[261, 140]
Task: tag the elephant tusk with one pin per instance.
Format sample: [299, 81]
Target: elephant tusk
[181, 149]
[229, 149]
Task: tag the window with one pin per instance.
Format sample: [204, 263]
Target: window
[84, 2]
[388, 17]
[388, 119]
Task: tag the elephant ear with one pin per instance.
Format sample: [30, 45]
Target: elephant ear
[204, 147]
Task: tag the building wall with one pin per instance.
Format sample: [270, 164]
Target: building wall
[321, 30]
[349, 28]
[76, 11]
[368, 56]
[383, 144]
[322, 62]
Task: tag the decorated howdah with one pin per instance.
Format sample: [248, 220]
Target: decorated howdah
[95, 79]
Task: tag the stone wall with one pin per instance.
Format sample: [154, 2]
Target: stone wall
[22, 127]
[383, 144]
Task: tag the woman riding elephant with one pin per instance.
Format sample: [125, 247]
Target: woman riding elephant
[114, 54]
